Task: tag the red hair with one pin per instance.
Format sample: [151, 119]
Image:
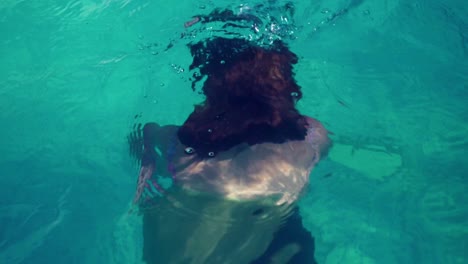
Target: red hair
[250, 96]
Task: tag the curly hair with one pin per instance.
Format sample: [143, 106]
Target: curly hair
[250, 95]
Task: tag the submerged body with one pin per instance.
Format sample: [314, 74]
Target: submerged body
[229, 207]
[238, 163]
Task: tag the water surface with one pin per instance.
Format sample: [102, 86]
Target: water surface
[388, 78]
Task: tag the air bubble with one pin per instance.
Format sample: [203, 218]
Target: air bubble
[294, 94]
[211, 154]
[189, 150]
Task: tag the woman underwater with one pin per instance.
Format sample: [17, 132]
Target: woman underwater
[238, 164]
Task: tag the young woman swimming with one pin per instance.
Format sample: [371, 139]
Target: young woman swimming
[239, 163]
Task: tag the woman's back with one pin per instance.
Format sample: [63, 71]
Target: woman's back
[247, 172]
[225, 209]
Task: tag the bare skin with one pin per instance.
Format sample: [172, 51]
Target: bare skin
[233, 183]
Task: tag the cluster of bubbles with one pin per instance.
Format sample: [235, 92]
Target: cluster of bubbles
[262, 24]
[177, 68]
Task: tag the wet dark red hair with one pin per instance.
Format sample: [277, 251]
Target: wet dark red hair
[250, 96]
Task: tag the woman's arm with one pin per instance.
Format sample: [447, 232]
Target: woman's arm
[154, 136]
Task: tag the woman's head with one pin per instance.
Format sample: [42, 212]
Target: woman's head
[250, 96]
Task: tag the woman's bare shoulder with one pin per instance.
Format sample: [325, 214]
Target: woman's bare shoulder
[317, 136]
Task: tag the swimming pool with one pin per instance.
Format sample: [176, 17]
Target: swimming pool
[388, 78]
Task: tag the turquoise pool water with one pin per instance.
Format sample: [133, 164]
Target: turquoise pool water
[388, 78]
